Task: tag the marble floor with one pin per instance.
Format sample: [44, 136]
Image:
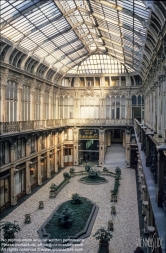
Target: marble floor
[126, 222]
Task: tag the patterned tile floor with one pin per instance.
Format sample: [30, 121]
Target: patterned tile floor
[126, 223]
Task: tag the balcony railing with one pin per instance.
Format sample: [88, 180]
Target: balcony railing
[23, 126]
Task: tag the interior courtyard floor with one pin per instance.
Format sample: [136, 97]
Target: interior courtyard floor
[126, 222]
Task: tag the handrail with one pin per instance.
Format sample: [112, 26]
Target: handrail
[31, 125]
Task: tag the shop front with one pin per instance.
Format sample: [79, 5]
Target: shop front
[52, 162]
[4, 190]
[68, 155]
[44, 166]
[19, 180]
[88, 146]
[33, 173]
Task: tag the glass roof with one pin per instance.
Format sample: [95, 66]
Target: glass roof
[62, 34]
[99, 64]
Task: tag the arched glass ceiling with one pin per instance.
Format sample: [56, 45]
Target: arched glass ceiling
[63, 33]
[99, 64]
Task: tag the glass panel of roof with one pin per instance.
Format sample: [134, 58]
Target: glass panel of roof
[36, 27]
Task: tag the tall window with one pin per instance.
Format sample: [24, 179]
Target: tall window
[89, 107]
[46, 105]
[54, 106]
[26, 103]
[115, 107]
[20, 148]
[33, 143]
[4, 152]
[11, 97]
[20, 179]
[37, 103]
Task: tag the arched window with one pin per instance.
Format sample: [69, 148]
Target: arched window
[117, 107]
[46, 105]
[134, 100]
[54, 105]
[61, 107]
[11, 97]
[123, 112]
[142, 100]
[26, 103]
[37, 103]
[139, 100]
[108, 107]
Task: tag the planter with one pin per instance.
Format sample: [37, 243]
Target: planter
[41, 205]
[27, 218]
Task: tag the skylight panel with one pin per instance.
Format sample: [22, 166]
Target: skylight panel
[27, 44]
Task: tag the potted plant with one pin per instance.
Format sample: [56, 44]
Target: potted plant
[66, 175]
[9, 230]
[103, 236]
[53, 189]
[72, 171]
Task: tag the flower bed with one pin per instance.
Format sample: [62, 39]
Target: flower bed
[79, 217]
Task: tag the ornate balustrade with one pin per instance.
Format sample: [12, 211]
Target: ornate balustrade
[21, 126]
[98, 122]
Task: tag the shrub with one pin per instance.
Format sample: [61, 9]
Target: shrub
[76, 199]
[102, 234]
[66, 175]
[72, 170]
[87, 168]
[93, 173]
[118, 171]
[105, 169]
[64, 218]
[53, 187]
[9, 229]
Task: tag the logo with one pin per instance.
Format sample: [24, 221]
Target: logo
[151, 242]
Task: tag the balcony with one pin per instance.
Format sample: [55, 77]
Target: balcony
[26, 126]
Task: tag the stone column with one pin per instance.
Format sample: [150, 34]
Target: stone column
[62, 156]
[76, 109]
[110, 80]
[27, 170]
[102, 81]
[101, 147]
[42, 105]
[48, 164]
[128, 108]
[39, 177]
[102, 108]
[19, 103]
[12, 152]
[75, 150]
[3, 112]
[108, 139]
[32, 103]
[27, 177]
[50, 104]
[12, 186]
[124, 140]
[56, 147]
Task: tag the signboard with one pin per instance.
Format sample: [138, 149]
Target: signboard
[88, 134]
